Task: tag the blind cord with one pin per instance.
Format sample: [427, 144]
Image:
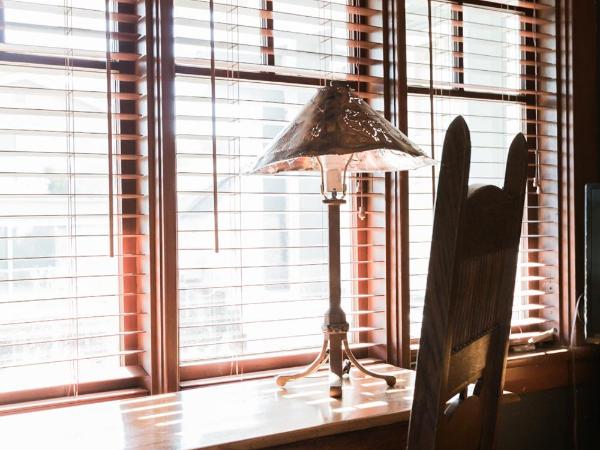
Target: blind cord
[72, 185]
[573, 381]
[235, 85]
[322, 47]
[107, 15]
[537, 177]
[214, 126]
[431, 100]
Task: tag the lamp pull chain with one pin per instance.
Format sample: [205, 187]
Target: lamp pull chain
[362, 215]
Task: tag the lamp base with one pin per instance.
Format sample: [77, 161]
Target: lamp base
[335, 342]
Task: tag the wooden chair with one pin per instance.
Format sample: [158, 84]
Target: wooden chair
[468, 301]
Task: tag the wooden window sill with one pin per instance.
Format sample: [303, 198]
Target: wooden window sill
[251, 414]
[545, 369]
[71, 401]
[257, 413]
[551, 369]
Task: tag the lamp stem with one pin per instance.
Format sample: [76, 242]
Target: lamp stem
[335, 324]
[335, 314]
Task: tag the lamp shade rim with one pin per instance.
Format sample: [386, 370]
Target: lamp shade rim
[382, 161]
[337, 122]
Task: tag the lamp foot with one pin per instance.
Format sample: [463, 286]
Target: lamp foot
[335, 391]
[336, 364]
[389, 379]
[321, 359]
[337, 368]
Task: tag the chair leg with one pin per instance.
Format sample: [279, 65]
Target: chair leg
[281, 380]
[389, 379]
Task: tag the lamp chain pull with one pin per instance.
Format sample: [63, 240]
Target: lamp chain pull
[362, 215]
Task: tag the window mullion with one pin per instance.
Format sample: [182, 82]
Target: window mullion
[396, 191]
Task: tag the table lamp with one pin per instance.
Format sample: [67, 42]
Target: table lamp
[338, 132]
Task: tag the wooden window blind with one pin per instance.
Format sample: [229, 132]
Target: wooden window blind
[70, 195]
[74, 169]
[241, 74]
[494, 63]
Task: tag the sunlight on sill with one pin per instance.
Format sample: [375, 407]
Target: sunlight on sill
[376, 404]
[395, 390]
[322, 401]
[343, 409]
[169, 423]
[373, 383]
[159, 415]
[152, 398]
[360, 406]
[149, 407]
[301, 394]
[525, 356]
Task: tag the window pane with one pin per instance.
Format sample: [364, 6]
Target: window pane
[495, 66]
[266, 289]
[51, 27]
[492, 49]
[53, 263]
[493, 125]
[62, 315]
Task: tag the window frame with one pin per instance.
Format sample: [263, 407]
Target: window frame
[159, 369]
[399, 348]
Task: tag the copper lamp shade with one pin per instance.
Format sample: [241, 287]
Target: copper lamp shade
[338, 122]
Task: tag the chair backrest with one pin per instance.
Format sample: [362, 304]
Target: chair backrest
[468, 300]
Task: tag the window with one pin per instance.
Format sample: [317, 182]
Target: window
[68, 313]
[495, 66]
[248, 254]
[263, 295]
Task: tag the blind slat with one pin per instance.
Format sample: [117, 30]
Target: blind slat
[79, 337]
[271, 339]
[64, 360]
[74, 318]
[285, 351]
